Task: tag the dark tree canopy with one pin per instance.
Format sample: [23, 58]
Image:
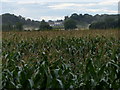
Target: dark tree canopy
[84, 20]
[11, 21]
[19, 26]
[119, 21]
[108, 23]
[104, 21]
[44, 26]
[70, 24]
[74, 16]
[66, 17]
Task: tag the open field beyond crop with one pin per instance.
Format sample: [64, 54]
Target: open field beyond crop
[61, 59]
[63, 33]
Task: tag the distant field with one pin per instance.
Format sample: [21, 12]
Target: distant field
[74, 33]
[88, 60]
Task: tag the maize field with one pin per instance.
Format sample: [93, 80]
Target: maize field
[60, 62]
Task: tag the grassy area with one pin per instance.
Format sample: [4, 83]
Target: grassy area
[61, 59]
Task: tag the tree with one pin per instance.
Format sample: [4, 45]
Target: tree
[74, 16]
[70, 24]
[119, 21]
[88, 18]
[44, 26]
[19, 26]
[108, 23]
[66, 17]
[7, 27]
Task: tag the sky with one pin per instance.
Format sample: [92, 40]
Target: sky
[57, 9]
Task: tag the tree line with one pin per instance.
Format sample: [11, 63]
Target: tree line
[12, 22]
[106, 24]
[93, 22]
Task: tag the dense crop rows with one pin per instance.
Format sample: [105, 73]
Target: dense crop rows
[84, 62]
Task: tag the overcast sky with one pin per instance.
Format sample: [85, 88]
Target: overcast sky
[57, 9]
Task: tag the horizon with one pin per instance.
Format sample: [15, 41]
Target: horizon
[38, 10]
[56, 19]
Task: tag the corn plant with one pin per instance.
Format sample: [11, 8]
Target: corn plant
[61, 62]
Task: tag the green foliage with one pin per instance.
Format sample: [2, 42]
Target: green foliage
[19, 26]
[44, 26]
[85, 63]
[108, 23]
[82, 21]
[103, 21]
[69, 24]
[11, 19]
[6, 27]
